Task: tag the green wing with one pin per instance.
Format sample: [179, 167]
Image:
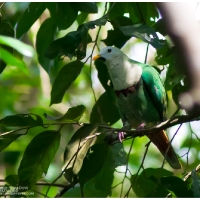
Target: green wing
[155, 89]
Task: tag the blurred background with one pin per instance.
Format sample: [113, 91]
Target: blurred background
[21, 93]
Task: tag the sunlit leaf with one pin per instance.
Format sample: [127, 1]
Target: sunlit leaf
[23, 48]
[6, 140]
[37, 157]
[64, 79]
[74, 155]
[11, 60]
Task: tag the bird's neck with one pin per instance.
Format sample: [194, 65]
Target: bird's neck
[124, 72]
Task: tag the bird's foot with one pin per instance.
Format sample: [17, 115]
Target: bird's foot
[121, 136]
[141, 126]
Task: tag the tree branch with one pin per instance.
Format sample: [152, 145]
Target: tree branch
[175, 120]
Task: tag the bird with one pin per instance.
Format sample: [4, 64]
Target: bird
[141, 98]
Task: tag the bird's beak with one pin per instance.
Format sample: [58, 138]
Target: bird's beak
[96, 57]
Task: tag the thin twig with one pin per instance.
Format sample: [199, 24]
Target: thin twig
[170, 145]
[127, 166]
[63, 171]
[188, 175]
[141, 166]
[145, 60]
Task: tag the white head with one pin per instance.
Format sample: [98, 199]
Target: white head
[110, 55]
[123, 71]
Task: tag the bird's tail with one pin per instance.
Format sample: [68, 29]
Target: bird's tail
[162, 143]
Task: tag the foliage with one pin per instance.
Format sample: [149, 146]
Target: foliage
[49, 62]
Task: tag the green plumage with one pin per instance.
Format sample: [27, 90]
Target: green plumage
[147, 104]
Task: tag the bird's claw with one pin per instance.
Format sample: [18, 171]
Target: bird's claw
[121, 136]
[141, 126]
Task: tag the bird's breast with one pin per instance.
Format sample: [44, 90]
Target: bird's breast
[128, 90]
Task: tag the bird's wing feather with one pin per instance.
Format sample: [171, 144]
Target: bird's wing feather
[155, 89]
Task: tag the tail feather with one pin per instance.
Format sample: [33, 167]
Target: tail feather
[162, 143]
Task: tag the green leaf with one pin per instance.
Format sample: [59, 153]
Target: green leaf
[11, 60]
[87, 7]
[6, 140]
[74, 156]
[148, 11]
[74, 44]
[143, 32]
[7, 30]
[117, 10]
[160, 27]
[21, 120]
[93, 161]
[98, 22]
[37, 157]
[168, 56]
[45, 36]
[62, 13]
[144, 186]
[116, 37]
[12, 180]
[177, 186]
[103, 74]
[2, 66]
[64, 79]
[29, 17]
[74, 192]
[178, 89]
[23, 48]
[101, 184]
[143, 12]
[72, 115]
[81, 18]
[195, 183]
[105, 109]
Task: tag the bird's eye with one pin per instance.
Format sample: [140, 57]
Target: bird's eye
[109, 50]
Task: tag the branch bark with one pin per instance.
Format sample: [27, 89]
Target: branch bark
[175, 120]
